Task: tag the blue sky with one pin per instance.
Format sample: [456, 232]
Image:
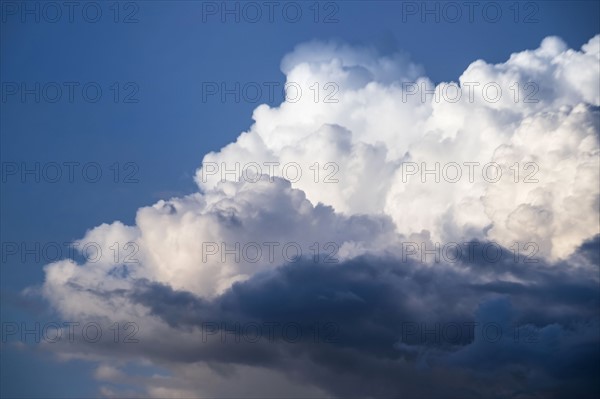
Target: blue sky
[168, 54]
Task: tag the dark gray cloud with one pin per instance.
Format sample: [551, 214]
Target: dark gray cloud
[393, 328]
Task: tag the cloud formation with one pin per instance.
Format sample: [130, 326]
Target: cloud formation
[386, 116]
[331, 254]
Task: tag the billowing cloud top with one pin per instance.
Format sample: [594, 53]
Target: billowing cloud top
[365, 156]
[384, 121]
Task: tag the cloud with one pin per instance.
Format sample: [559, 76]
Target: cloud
[325, 252]
[372, 326]
[542, 118]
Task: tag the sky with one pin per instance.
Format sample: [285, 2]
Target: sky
[122, 123]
